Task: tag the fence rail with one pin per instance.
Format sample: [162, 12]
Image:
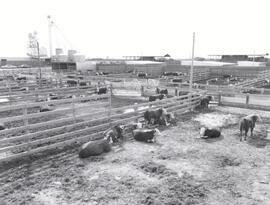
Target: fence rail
[30, 143]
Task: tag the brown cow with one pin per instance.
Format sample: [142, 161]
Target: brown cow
[247, 123]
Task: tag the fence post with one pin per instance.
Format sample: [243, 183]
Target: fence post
[110, 105]
[25, 120]
[247, 100]
[142, 90]
[176, 92]
[219, 98]
[73, 110]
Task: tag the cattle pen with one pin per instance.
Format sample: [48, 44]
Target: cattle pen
[39, 161]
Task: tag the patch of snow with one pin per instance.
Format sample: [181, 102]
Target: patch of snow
[216, 120]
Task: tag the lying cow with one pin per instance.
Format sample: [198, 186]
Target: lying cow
[247, 123]
[101, 91]
[45, 108]
[155, 116]
[94, 148]
[164, 91]
[156, 97]
[115, 133]
[145, 135]
[209, 133]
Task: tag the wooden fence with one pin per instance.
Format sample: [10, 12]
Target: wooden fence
[250, 101]
[29, 139]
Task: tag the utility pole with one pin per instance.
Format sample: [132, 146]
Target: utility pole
[39, 67]
[50, 34]
[192, 64]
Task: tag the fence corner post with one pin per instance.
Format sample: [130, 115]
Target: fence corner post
[142, 90]
[247, 99]
[219, 98]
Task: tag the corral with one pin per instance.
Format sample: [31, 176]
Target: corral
[180, 169]
[39, 151]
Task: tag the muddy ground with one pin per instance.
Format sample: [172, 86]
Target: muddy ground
[179, 169]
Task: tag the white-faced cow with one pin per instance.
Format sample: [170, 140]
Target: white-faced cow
[247, 123]
[101, 91]
[95, 148]
[205, 101]
[209, 133]
[115, 133]
[145, 135]
[155, 116]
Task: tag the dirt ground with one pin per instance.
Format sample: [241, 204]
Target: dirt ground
[179, 169]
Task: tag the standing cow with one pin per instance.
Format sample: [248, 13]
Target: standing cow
[101, 91]
[155, 116]
[247, 123]
[205, 101]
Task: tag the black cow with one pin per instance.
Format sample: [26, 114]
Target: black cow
[209, 133]
[21, 78]
[101, 91]
[82, 84]
[155, 116]
[72, 83]
[227, 76]
[177, 80]
[142, 75]
[205, 101]
[115, 133]
[145, 135]
[247, 123]
[156, 97]
[45, 108]
[95, 148]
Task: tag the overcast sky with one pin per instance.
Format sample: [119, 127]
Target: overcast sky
[115, 28]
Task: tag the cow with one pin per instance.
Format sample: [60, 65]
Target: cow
[45, 108]
[2, 126]
[82, 84]
[164, 91]
[24, 89]
[227, 76]
[142, 75]
[156, 97]
[155, 116]
[248, 122]
[145, 135]
[95, 148]
[205, 101]
[72, 83]
[101, 91]
[21, 78]
[206, 133]
[115, 133]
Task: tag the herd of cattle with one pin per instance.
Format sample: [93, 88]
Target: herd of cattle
[143, 131]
